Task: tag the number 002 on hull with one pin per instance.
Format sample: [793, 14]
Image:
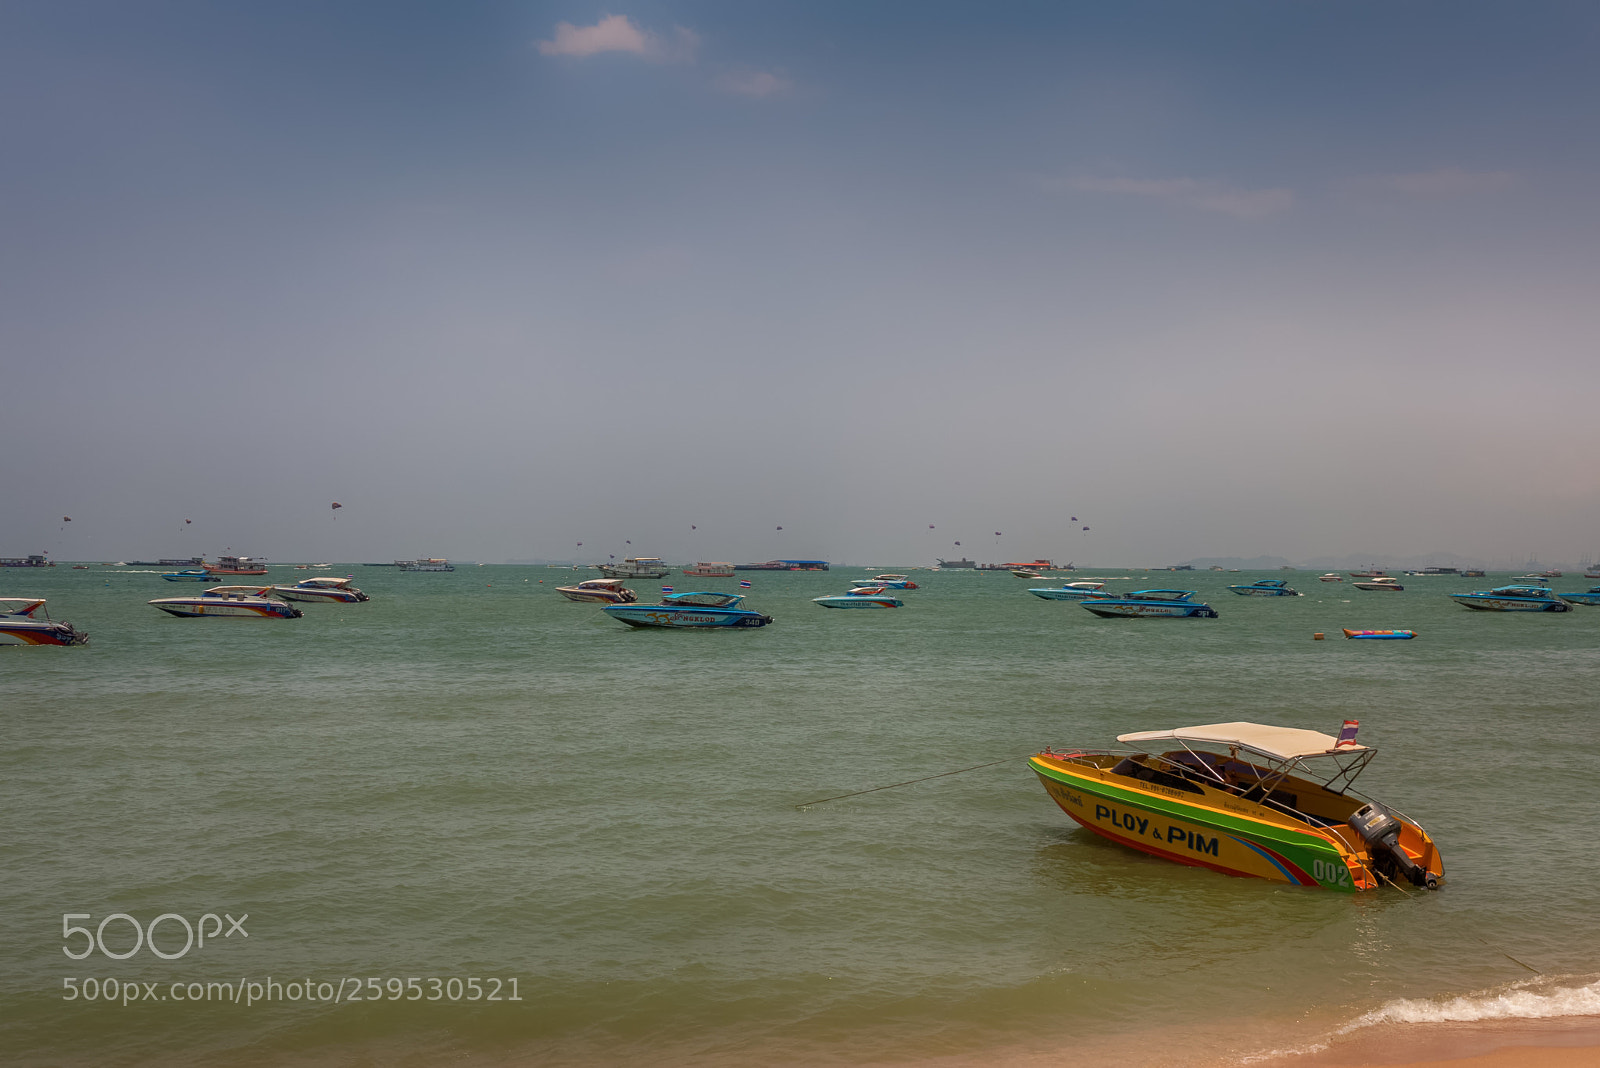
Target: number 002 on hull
[1248, 800]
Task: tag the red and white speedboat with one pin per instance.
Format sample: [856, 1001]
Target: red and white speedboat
[599, 591]
[24, 622]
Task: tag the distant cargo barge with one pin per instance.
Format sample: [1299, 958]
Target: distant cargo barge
[784, 565]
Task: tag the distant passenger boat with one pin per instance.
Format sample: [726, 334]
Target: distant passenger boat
[430, 563]
[1380, 584]
[1265, 588]
[237, 565]
[635, 567]
[957, 564]
[710, 570]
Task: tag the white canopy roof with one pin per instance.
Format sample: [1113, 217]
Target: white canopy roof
[1283, 743]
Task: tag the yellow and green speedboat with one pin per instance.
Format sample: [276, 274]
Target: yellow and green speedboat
[1245, 799]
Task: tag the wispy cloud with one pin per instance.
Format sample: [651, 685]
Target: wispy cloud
[617, 33]
[1188, 192]
[1444, 182]
[757, 83]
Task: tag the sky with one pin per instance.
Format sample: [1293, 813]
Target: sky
[659, 278]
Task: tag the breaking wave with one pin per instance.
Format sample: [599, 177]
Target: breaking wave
[1531, 1000]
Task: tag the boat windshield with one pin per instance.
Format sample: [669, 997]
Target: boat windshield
[702, 600]
[1160, 595]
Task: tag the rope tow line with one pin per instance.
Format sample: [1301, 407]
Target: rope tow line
[908, 782]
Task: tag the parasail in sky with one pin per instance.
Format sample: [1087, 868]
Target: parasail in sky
[186, 522]
[997, 534]
[692, 527]
[1085, 528]
[780, 528]
[958, 545]
[66, 519]
[1074, 519]
[336, 504]
[930, 526]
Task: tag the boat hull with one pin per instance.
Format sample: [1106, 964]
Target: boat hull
[195, 607]
[1058, 594]
[699, 618]
[1252, 591]
[1198, 836]
[870, 601]
[294, 593]
[39, 632]
[1379, 587]
[1390, 635]
[1484, 603]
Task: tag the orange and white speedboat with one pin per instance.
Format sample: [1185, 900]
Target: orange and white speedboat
[1244, 799]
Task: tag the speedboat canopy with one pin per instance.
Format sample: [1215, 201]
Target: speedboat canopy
[1278, 743]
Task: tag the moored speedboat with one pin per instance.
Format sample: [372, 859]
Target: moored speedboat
[193, 574]
[1242, 799]
[1265, 588]
[698, 609]
[1591, 596]
[862, 597]
[1369, 573]
[1380, 583]
[1513, 599]
[238, 601]
[893, 582]
[1332, 576]
[322, 588]
[1379, 634]
[23, 621]
[1071, 591]
[599, 591]
[1151, 604]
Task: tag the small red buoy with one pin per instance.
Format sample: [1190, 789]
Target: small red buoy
[1317, 636]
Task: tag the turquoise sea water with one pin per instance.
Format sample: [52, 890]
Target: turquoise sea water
[470, 777]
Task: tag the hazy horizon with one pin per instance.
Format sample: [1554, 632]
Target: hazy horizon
[1238, 279]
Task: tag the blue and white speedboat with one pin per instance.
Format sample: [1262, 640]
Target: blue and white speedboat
[1169, 604]
[1513, 599]
[893, 582]
[1072, 591]
[1265, 588]
[862, 597]
[697, 609]
[1592, 596]
[193, 574]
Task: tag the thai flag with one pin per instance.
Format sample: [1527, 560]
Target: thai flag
[666, 589]
[1347, 736]
[744, 585]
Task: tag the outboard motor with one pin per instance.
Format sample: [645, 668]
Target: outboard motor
[1380, 829]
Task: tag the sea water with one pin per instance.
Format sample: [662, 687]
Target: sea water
[606, 830]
